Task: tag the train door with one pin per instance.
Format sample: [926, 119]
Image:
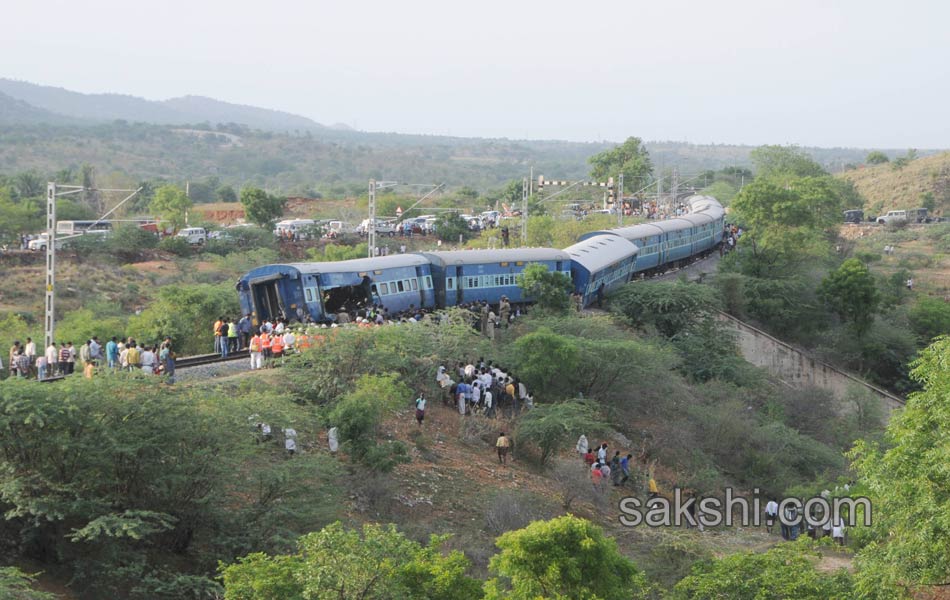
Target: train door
[456, 277]
[267, 300]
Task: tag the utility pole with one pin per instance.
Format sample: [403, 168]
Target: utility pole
[674, 190]
[524, 211]
[619, 204]
[371, 225]
[50, 319]
[52, 192]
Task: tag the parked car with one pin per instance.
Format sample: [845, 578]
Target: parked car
[382, 227]
[893, 216]
[853, 216]
[194, 235]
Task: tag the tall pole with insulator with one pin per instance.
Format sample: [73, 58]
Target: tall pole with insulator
[50, 319]
[371, 224]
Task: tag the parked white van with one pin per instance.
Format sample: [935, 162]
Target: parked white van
[194, 235]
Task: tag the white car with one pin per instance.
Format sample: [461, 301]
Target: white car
[382, 227]
[194, 235]
[893, 216]
[39, 243]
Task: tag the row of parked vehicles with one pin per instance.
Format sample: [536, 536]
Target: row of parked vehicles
[893, 217]
[420, 225]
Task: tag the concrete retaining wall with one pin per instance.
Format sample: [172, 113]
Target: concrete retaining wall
[798, 369]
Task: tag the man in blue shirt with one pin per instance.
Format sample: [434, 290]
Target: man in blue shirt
[625, 468]
[112, 353]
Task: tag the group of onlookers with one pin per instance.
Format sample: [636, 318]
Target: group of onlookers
[60, 360]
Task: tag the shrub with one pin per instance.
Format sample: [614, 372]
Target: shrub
[175, 245]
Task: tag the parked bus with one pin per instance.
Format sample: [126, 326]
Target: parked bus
[77, 227]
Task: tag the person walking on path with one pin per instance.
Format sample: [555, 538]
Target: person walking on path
[502, 444]
[421, 408]
[771, 512]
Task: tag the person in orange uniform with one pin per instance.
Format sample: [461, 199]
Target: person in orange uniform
[266, 340]
[277, 346]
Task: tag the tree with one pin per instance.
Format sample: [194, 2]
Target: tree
[630, 158]
[17, 585]
[378, 563]
[851, 293]
[171, 204]
[785, 571]
[671, 308]
[905, 477]
[226, 193]
[784, 162]
[450, 227]
[260, 207]
[17, 217]
[553, 427]
[930, 317]
[787, 224]
[541, 356]
[184, 312]
[564, 558]
[359, 414]
[877, 157]
[550, 289]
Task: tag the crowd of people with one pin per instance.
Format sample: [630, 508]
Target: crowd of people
[61, 360]
[483, 388]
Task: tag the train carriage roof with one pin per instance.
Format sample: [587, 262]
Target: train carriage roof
[478, 257]
[600, 251]
[356, 265]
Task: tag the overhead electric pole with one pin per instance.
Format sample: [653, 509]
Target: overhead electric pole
[371, 225]
[524, 211]
[50, 319]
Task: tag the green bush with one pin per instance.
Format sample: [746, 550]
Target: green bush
[187, 314]
[930, 317]
[175, 245]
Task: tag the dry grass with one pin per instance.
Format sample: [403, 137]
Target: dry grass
[886, 188]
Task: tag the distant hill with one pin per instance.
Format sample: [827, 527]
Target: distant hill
[176, 111]
[886, 187]
[17, 112]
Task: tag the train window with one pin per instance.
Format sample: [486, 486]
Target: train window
[450, 283]
[520, 263]
[400, 287]
[405, 285]
[309, 293]
[384, 289]
[377, 272]
[428, 282]
[504, 264]
[415, 284]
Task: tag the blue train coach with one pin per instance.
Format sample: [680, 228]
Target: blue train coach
[607, 260]
[323, 289]
[475, 275]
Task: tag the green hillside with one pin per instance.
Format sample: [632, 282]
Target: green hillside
[921, 182]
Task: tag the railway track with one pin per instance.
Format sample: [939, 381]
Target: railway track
[184, 362]
[207, 359]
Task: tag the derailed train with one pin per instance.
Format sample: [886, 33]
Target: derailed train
[612, 257]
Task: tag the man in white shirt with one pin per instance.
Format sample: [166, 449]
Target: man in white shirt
[289, 340]
[149, 360]
[30, 351]
[290, 440]
[52, 357]
[771, 511]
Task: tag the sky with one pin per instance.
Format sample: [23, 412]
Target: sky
[869, 73]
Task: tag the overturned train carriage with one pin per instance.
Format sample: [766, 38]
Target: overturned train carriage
[321, 290]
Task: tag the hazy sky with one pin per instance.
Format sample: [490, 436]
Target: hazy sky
[833, 73]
